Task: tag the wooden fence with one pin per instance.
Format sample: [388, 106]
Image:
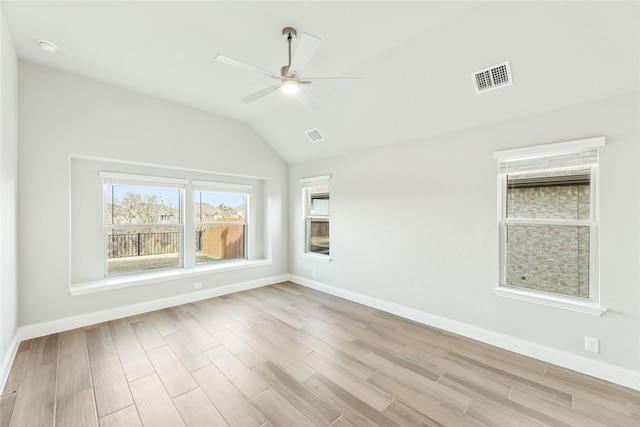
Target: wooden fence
[224, 241]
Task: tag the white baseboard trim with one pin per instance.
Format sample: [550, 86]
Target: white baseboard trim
[67, 323]
[594, 368]
[7, 361]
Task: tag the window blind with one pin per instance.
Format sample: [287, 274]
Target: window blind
[533, 164]
[221, 187]
[550, 156]
[129, 179]
[315, 180]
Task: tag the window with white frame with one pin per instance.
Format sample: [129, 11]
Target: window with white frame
[316, 202]
[220, 221]
[548, 219]
[148, 224]
[143, 223]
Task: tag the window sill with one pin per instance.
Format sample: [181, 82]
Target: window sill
[140, 279]
[585, 307]
[317, 257]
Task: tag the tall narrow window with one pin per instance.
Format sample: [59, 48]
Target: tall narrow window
[220, 220]
[548, 219]
[143, 224]
[316, 212]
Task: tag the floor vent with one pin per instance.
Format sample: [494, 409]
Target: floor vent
[315, 135]
[494, 77]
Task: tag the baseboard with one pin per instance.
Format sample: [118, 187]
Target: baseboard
[594, 368]
[67, 323]
[7, 361]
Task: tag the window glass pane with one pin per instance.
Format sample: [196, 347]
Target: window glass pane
[558, 194]
[142, 205]
[319, 200]
[215, 207]
[318, 235]
[218, 242]
[144, 248]
[552, 258]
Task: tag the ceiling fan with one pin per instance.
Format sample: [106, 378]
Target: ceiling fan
[290, 78]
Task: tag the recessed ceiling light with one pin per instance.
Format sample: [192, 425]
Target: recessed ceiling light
[47, 45]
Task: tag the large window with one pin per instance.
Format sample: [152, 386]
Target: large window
[548, 219]
[150, 223]
[220, 225]
[316, 215]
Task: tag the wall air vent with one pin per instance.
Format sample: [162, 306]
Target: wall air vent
[315, 135]
[494, 77]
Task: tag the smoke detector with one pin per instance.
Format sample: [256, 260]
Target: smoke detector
[491, 78]
[47, 45]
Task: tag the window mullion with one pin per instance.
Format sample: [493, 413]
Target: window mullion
[189, 239]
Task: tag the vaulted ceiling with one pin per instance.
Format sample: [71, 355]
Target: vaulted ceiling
[415, 60]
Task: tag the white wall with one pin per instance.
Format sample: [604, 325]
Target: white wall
[64, 115]
[415, 224]
[8, 199]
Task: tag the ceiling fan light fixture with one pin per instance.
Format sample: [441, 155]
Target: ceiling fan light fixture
[290, 86]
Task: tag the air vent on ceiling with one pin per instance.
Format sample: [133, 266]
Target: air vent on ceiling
[315, 135]
[494, 77]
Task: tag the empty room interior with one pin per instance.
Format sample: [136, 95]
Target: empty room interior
[316, 213]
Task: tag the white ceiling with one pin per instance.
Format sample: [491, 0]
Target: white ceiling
[415, 59]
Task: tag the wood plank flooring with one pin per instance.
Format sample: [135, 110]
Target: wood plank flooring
[285, 355]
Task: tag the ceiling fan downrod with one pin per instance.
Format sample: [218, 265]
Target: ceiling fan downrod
[289, 35]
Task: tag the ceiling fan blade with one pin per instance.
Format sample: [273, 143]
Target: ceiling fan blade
[331, 82]
[260, 94]
[245, 66]
[306, 49]
[304, 100]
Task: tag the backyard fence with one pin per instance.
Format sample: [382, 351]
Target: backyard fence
[220, 241]
[137, 244]
[223, 241]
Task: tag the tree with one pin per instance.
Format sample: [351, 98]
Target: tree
[135, 208]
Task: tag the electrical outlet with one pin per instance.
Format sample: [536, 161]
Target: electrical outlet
[5, 342]
[313, 274]
[197, 285]
[592, 344]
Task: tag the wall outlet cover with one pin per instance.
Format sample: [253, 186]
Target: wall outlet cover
[592, 344]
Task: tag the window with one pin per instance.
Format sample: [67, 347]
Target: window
[143, 225]
[147, 225]
[220, 225]
[548, 219]
[316, 214]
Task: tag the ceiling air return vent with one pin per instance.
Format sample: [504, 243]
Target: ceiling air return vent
[494, 77]
[315, 135]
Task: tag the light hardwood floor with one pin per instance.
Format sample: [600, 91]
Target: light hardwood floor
[285, 355]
